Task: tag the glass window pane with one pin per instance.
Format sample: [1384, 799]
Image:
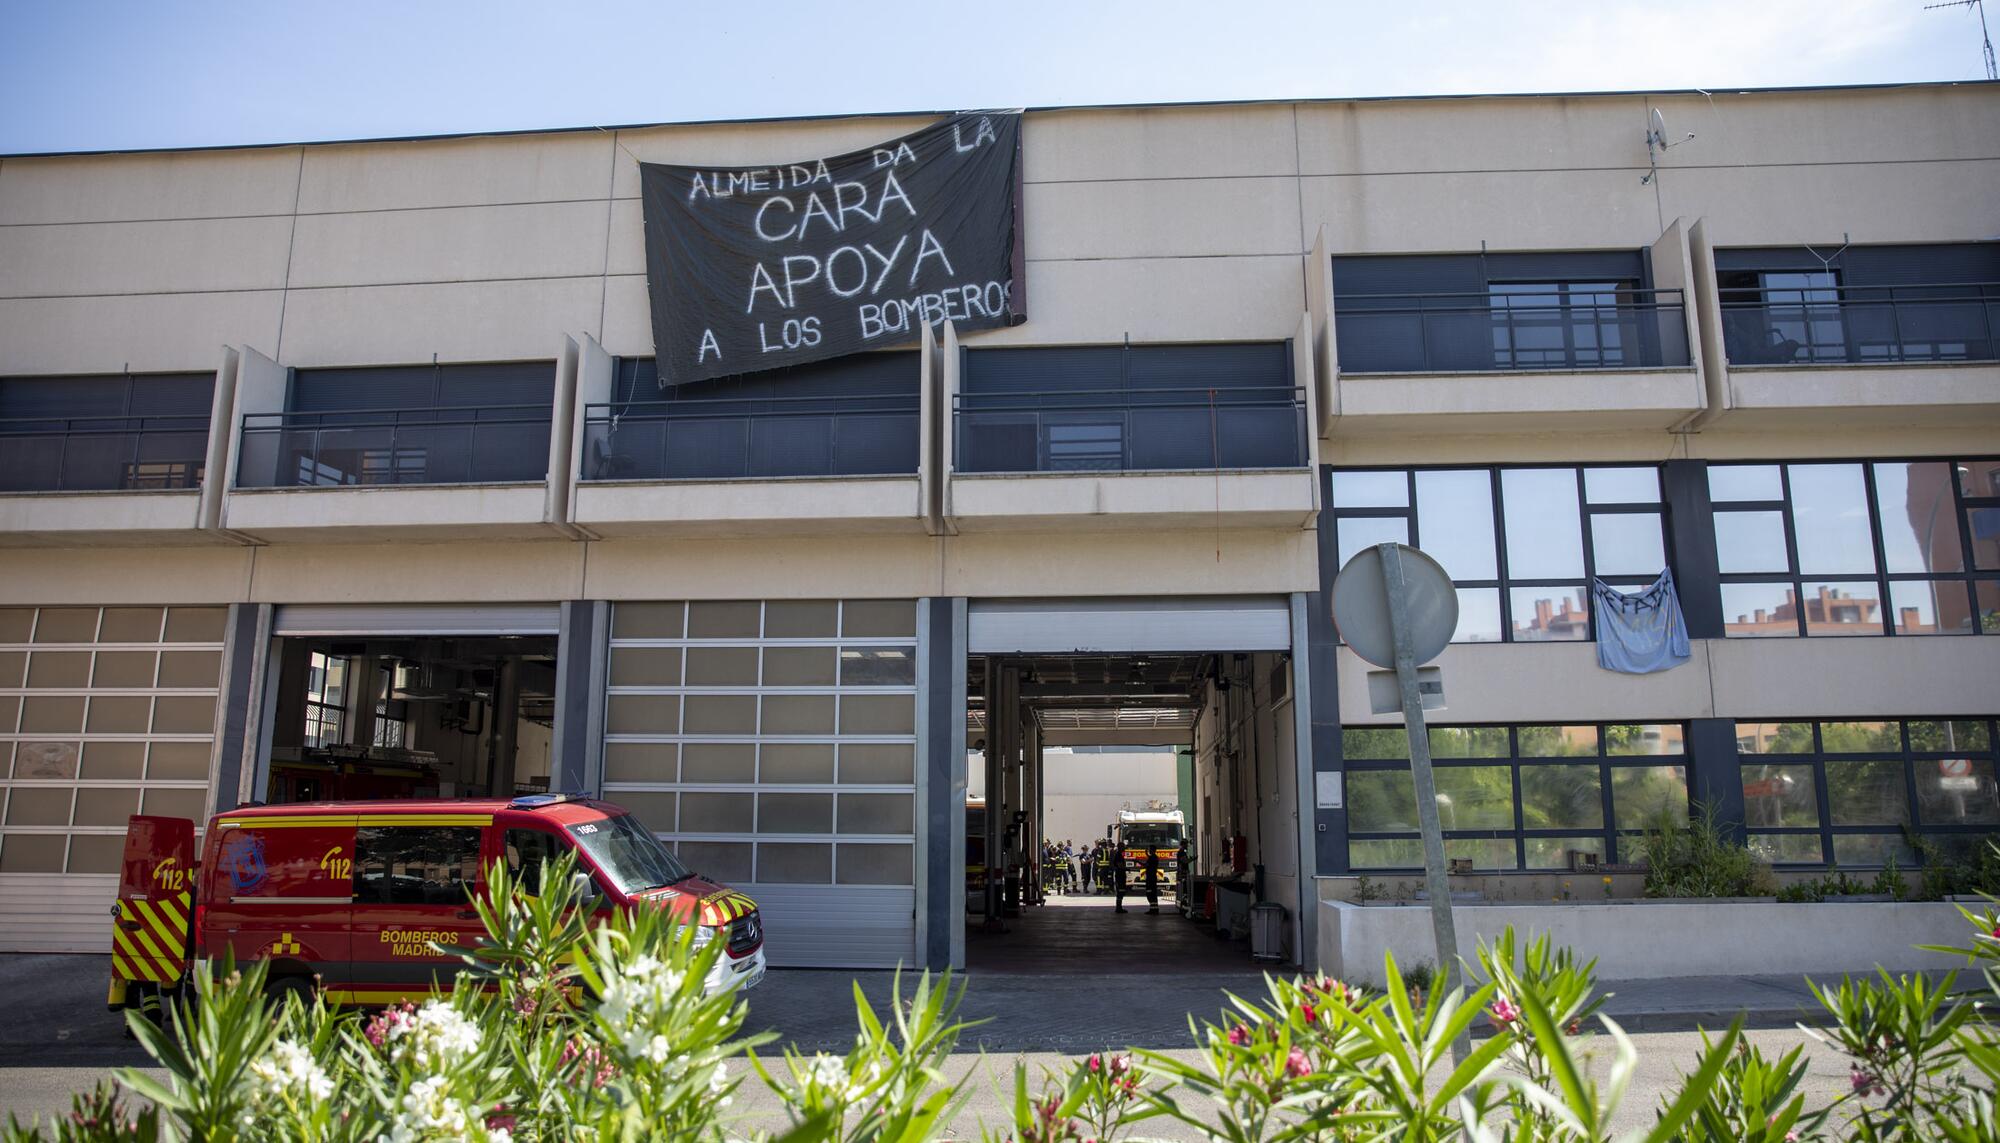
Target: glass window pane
[1381, 801]
[1358, 532]
[1630, 740]
[795, 813]
[56, 760]
[1956, 791]
[877, 667]
[1780, 796]
[39, 806]
[69, 669]
[1553, 852]
[800, 666]
[1758, 610]
[876, 864]
[130, 625]
[654, 809]
[1748, 542]
[876, 813]
[96, 853]
[1774, 738]
[1557, 741]
[713, 619]
[878, 714]
[727, 861]
[110, 806]
[1872, 849]
[1949, 736]
[641, 762]
[722, 666]
[1627, 543]
[1475, 797]
[793, 714]
[1561, 797]
[1374, 742]
[716, 813]
[1483, 852]
[877, 763]
[1860, 737]
[878, 618]
[1915, 605]
[1979, 477]
[1621, 485]
[1830, 518]
[1468, 742]
[1549, 614]
[1853, 607]
[1735, 482]
[648, 620]
[801, 618]
[1866, 793]
[1919, 518]
[718, 762]
[1787, 848]
[1455, 522]
[1641, 795]
[32, 852]
[1371, 489]
[1544, 529]
[1986, 601]
[1397, 853]
[1478, 615]
[130, 669]
[648, 714]
[796, 762]
[794, 863]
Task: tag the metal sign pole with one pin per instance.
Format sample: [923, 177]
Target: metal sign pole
[1442, 928]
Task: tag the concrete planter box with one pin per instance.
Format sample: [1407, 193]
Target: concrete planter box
[1639, 940]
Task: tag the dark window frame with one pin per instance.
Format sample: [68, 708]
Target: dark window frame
[1882, 579]
[1504, 584]
[1608, 832]
[1905, 755]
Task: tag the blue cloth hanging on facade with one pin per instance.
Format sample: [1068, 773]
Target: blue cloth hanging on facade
[1640, 632]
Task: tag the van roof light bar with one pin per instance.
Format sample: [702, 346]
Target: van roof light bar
[537, 801]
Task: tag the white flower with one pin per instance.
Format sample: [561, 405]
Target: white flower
[289, 1072]
[426, 1111]
[830, 1074]
[637, 994]
[436, 1036]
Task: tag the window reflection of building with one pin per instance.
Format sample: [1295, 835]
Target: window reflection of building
[1554, 619]
[1829, 611]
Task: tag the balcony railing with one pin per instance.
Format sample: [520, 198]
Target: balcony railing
[733, 438]
[95, 454]
[1479, 333]
[1130, 430]
[1854, 324]
[494, 444]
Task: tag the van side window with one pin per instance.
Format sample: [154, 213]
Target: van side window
[527, 849]
[415, 865]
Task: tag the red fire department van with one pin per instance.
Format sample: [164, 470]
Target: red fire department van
[353, 895]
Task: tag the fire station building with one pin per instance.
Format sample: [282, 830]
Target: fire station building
[347, 470]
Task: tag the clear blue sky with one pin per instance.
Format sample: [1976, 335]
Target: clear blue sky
[109, 74]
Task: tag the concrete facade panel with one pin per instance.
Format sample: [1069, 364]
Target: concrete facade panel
[1455, 212]
[556, 167]
[1159, 143]
[1945, 201]
[117, 188]
[749, 506]
[1157, 299]
[162, 574]
[625, 321]
[1488, 134]
[1913, 124]
[1859, 678]
[473, 321]
[1677, 392]
[143, 257]
[1162, 218]
[513, 571]
[150, 333]
[280, 510]
[97, 517]
[454, 244]
[1540, 682]
[625, 253]
[1864, 389]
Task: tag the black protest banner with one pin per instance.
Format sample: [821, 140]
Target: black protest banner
[753, 268]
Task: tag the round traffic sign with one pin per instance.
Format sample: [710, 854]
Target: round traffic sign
[1361, 605]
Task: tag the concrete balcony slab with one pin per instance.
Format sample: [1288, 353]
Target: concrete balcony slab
[1110, 501]
[355, 514]
[102, 519]
[1578, 399]
[815, 505]
[1862, 395]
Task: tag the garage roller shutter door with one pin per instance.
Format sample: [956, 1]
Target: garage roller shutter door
[1115, 626]
[417, 619]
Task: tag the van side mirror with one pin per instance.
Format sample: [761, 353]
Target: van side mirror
[582, 889]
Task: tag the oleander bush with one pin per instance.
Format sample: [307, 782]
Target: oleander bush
[604, 1033]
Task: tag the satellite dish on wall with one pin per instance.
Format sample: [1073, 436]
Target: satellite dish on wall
[1656, 134]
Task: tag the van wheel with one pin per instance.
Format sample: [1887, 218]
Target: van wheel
[277, 990]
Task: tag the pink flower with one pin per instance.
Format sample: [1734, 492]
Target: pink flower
[1120, 1065]
[1307, 1011]
[1096, 1063]
[1865, 1084]
[1504, 1012]
[1239, 1035]
[1297, 1065]
[1575, 1028]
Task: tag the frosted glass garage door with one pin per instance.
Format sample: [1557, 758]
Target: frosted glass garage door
[105, 712]
[773, 745]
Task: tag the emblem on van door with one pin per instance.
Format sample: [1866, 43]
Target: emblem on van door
[243, 860]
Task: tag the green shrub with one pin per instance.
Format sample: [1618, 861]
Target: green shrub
[1692, 858]
[605, 1034]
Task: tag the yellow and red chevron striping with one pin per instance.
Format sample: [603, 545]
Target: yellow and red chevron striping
[149, 939]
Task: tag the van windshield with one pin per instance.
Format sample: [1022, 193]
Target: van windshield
[1145, 836]
[628, 854]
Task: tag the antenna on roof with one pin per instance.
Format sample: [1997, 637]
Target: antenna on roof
[1985, 38]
